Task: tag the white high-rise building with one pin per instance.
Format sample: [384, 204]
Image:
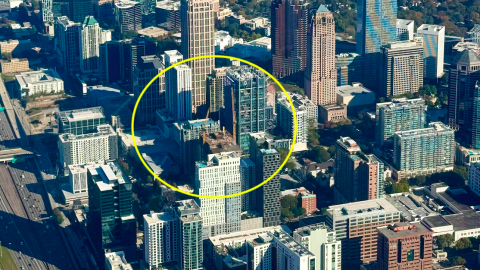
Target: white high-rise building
[474, 177]
[433, 48]
[321, 241]
[92, 35]
[86, 148]
[78, 178]
[219, 176]
[178, 87]
[405, 29]
[161, 238]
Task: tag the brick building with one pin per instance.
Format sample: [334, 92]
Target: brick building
[15, 65]
[404, 246]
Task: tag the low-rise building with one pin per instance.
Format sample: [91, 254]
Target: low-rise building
[465, 156]
[45, 81]
[15, 65]
[223, 13]
[22, 31]
[308, 200]
[224, 40]
[355, 97]
[256, 23]
[259, 49]
[116, 261]
[15, 47]
[332, 113]
[153, 32]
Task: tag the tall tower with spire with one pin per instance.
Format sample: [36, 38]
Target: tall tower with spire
[320, 73]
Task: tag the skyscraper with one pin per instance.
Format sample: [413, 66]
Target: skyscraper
[376, 26]
[320, 73]
[248, 179]
[464, 98]
[219, 176]
[128, 16]
[67, 44]
[92, 37]
[405, 29]
[174, 236]
[110, 223]
[104, 9]
[267, 161]
[289, 37]
[47, 13]
[423, 151]
[399, 115]
[473, 177]
[148, 13]
[245, 103]
[215, 93]
[401, 68]
[81, 9]
[434, 47]
[358, 176]
[405, 245]
[198, 41]
[179, 87]
[154, 97]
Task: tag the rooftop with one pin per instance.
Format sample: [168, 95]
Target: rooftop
[242, 73]
[434, 128]
[108, 174]
[122, 4]
[117, 261]
[102, 130]
[410, 208]
[168, 5]
[188, 210]
[221, 142]
[362, 208]
[352, 90]
[430, 28]
[400, 103]
[242, 236]
[40, 76]
[404, 23]
[81, 114]
[306, 230]
[153, 31]
[154, 218]
[403, 229]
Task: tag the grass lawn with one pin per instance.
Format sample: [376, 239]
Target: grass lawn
[6, 262]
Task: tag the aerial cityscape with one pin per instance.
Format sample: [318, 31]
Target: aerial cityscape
[239, 135]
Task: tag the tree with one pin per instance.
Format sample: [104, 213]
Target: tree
[459, 261]
[332, 149]
[283, 155]
[445, 240]
[288, 201]
[318, 154]
[401, 186]
[129, 34]
[313, 136]
[463, 243]
[286, 213]
[149, 179]
[462, 171]
[7, 55]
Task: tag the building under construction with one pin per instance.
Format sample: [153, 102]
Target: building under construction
[217, 142]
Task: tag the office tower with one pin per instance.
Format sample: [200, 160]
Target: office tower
[464, 97]
[110, 221]
[148, 13]
[115, 61]
[160, 238]
[168, 14]
[198, 41]
[77, 176]
[81, 9]
[376, 26]
[245, 103]
[47, 14]
[355, 225]
[306, 114]
[405, 245]
[358, 176]
[179, 87]
[128, 16]
[247, 179]
[188, 136]
[61, 8]
[92, 37]
[219, 176]
[320, 73]
[433, 48]
[405, 29]
[266, 161]
[399, 115]
[321, 241]
[91, 147]
[154, 97]
[81, 121]
[349, 68]
[423, 151]
[401, 68]
[289, 37]
[104, 9]
[67, 44]
[215, 91]
[474, 34]
[474, 177]
[191, 224]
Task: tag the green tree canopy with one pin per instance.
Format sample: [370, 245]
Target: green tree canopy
[459, 261]
[288, 201]
[445, 240]
[463, 243]
[318, 154]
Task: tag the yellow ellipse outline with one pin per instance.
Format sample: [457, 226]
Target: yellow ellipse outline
[231, 195]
